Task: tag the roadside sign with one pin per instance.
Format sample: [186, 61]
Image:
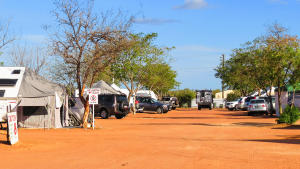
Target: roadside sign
[92, 91]
[93, 99]
[12, 127]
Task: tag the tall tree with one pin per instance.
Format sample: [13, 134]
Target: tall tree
[131, 67]
[160, 78]
[284, 53]
[270, 60]
[33, 58]
[86, 42]
[6, 36]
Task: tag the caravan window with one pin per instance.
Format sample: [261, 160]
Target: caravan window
[2, 93]
[34, 110]
[17, 71]
[8, 82]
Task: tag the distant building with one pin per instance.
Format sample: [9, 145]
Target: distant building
[226, 92]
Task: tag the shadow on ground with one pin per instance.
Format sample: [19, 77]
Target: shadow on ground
[147, 112]
[4, 142]
[245, 114]
[291, 127]
[182, 124]
[178, 117]
[253, 124]
[284, 141]
[246, 124]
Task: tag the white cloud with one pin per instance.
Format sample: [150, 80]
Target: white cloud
[153, 21]
[192, 4]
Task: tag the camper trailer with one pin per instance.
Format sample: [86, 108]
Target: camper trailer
[39, 103]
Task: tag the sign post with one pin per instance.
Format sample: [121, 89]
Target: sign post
[93, 99]
[12, 127]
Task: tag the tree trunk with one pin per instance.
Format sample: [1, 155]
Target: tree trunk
[293, 99]
[85, 102]
[133, 105]
[279, 100]
[86, 114]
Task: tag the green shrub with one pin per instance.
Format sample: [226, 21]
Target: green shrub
[290, 115]
[184, 96]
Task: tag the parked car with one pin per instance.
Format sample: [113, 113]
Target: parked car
[172, 101]
[271, 103]
[258, 106]
[204, 99]
[248, 99]
[112, 104]
[150, 104]
[76, 112]
[241, 104]
[232, 105]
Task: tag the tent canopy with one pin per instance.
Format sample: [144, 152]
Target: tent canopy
[34, 86]
[105, 88]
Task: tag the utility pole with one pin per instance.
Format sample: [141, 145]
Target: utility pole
[223, 65]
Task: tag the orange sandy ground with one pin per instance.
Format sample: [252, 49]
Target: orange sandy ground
[181, 139]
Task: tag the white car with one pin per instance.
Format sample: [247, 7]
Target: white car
[232, 105]
[258, 106]
[242, 105]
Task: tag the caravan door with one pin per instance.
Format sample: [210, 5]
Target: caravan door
[3, 108]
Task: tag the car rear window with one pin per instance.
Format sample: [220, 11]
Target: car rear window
[105, 98]
[121, 98]
[257, 101]
[165, 99]
[248, 99]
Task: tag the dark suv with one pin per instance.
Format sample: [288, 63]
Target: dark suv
[204, 99]
[150, 104]
[112, 104]
[172, 101]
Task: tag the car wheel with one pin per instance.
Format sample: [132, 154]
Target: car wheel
[235, 108]
[104, 114]
[119, 116]
[199, 107]
[173, 108]
[159, 110]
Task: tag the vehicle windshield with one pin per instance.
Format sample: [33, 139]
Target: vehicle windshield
[153, 100]
[257, 101]
[249, 99]
[121, 98]
[165, 99]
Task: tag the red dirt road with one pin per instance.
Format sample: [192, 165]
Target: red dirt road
[184, 139]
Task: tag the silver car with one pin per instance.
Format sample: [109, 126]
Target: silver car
[242, 104]
[258, 106]
[232, 105]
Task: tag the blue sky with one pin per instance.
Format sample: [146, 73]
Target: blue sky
[201, 30]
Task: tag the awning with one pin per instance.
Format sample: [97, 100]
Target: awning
[40, 101]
